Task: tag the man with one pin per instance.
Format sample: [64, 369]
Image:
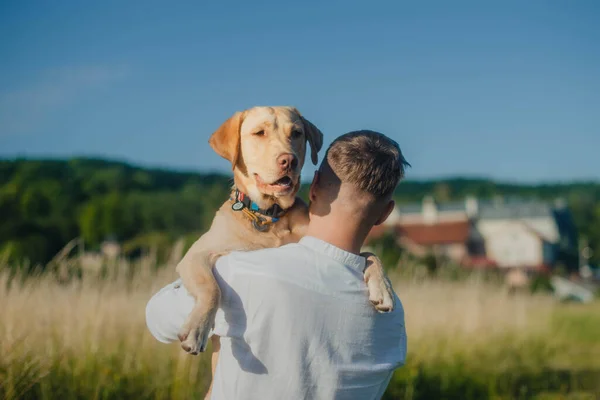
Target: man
[295, 322]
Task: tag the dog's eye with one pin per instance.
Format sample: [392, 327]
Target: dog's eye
[259, 133]
[296, 134]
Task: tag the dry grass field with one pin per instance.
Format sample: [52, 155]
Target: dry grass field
[86, 338]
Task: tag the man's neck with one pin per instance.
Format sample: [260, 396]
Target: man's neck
[350, 238]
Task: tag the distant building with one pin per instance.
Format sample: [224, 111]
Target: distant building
[506, 234]
[444, 230]
[528, 234]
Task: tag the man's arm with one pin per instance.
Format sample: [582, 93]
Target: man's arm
[167, 310]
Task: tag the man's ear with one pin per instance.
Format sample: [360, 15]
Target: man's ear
[314, 137]
[386, 213]
[225, 141]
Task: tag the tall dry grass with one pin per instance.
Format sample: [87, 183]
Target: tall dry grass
[86, 338]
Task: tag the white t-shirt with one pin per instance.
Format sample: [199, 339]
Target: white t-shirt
[295, 323]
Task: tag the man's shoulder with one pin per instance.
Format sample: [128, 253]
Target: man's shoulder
[261, 260]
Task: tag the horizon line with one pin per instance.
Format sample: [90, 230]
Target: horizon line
[226, 172]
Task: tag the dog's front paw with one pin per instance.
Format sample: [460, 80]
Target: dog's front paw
[194, 341]
[194, 334]
[381, 294]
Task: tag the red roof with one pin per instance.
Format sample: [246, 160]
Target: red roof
[440, 233]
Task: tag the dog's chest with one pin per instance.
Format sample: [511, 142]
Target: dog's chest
[240, 230]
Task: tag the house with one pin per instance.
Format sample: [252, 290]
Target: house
[512, 243]
[499, 233]
[443, 230]
[528, 234]
[453, 240]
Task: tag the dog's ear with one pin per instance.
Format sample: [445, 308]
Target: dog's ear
[225, 141]
[314, 137]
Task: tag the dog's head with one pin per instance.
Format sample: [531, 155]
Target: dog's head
[266, 147]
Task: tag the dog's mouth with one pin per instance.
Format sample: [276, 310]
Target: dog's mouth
[281, 186]
[284, 182]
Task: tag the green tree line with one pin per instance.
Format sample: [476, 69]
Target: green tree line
[46, 203]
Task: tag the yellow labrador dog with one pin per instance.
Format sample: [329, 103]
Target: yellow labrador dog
[266, 147]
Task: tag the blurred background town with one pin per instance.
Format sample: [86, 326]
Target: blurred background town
[106, 178]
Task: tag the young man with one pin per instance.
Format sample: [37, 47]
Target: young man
[295, 322]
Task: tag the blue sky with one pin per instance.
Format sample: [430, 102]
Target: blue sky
[505, 89]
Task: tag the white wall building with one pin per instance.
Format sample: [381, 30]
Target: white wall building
[516, 233]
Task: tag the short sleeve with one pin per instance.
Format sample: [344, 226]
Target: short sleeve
[167, 311]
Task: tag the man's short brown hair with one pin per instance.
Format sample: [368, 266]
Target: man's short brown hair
[370, 160]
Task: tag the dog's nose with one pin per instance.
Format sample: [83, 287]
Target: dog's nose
[287, 161]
